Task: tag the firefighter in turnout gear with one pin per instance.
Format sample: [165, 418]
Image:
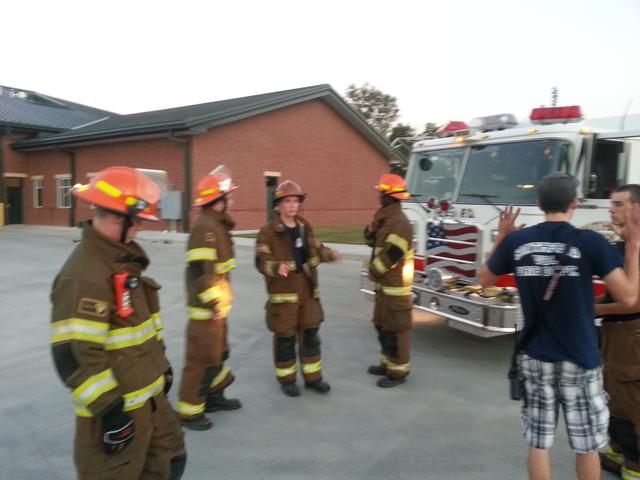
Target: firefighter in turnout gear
[209, 261]
[620, 347]
[391, 269]
[287, 254]
[107, 339]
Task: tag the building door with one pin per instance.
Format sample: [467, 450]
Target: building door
[15, 207]
[271, 182]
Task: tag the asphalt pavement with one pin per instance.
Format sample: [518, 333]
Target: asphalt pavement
[451, 419]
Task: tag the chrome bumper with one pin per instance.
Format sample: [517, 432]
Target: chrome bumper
[466, 311]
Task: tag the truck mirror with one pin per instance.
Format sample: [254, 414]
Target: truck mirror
[425, 164]
[593, 183]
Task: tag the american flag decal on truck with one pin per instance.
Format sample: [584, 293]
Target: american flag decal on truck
[452, 247]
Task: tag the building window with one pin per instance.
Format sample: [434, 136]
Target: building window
[37, 192]
[63, 198]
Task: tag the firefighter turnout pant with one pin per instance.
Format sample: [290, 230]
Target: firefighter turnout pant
[392, 320]
[156, 453]
[621, 357]
[205, 371]
[295, 317]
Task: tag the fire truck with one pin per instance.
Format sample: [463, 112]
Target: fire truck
[461, 181]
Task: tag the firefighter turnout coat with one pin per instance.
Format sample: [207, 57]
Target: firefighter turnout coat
[293, 308]
[105, 357]
[210, 258]
[391, 269]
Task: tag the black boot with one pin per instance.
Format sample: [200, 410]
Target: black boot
[388, 382]
[199, 422]
[319, 386]
[217, 401]
[377, 370]
[290, 389]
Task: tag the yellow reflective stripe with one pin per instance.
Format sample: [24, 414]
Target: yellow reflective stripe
[79, 329]
[262, 248]
[189, 409]
[316, 293]
[379, 265]
[285, 372]
[315, 261]
[82, 411]
[108, 189]
[196, 313]
[131, 336]
[396, 291]
[221, 376]
[404, 367]
[196, 254]
[209, 294]
[159, 324]
[614, 456]
[283, 297]
[309, 368]
[93, 387]
[224, 267]
[137, 398]
[223, 310]
[398, 241]
[384, 360]
[377, 250]
[628, 474]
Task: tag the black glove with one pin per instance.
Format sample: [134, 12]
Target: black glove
[168, 380]
[118, 429]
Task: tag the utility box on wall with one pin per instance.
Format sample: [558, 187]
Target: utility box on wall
[171, 207]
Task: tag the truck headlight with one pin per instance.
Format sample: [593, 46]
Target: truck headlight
[438, 279]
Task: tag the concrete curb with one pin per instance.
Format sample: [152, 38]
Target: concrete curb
[348, 251]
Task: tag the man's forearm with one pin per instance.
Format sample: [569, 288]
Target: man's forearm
[632, 267]
[603, 309]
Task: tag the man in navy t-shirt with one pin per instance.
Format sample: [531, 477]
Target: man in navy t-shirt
[561, 364]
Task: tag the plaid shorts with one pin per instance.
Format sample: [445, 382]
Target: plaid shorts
[578, 390]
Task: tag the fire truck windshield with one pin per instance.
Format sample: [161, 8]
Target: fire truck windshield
[435, 173]
[510, 172]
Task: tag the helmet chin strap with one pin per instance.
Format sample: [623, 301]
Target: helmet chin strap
[127, 223]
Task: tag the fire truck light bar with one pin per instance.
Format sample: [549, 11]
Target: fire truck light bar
[452, 129]
[547, 115]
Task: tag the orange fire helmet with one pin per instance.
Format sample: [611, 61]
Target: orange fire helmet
[393, 185]
[217, 183]
[123, 190]
[288, 188]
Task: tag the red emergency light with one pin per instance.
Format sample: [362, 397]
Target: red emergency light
[547, 115]
[452, 128]
[445, 204]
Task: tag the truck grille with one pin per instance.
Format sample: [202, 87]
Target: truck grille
[453, 246]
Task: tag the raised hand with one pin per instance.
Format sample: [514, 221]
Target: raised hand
[508, 218]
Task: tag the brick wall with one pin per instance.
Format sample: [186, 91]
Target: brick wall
[308, 143]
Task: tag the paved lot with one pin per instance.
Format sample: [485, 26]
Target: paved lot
[451, 419]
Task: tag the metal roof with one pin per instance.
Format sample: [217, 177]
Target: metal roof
[198, 118]
[28, 110]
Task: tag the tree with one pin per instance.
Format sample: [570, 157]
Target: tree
[430, 129]
[401, 139]
[378, 108]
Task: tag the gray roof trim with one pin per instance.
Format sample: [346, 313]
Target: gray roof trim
[264, 104]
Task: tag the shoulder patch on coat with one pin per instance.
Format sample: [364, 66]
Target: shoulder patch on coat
[91, 306]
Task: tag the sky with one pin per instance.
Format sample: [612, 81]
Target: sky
[444, 60]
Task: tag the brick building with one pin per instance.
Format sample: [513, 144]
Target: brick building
[309, 135]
